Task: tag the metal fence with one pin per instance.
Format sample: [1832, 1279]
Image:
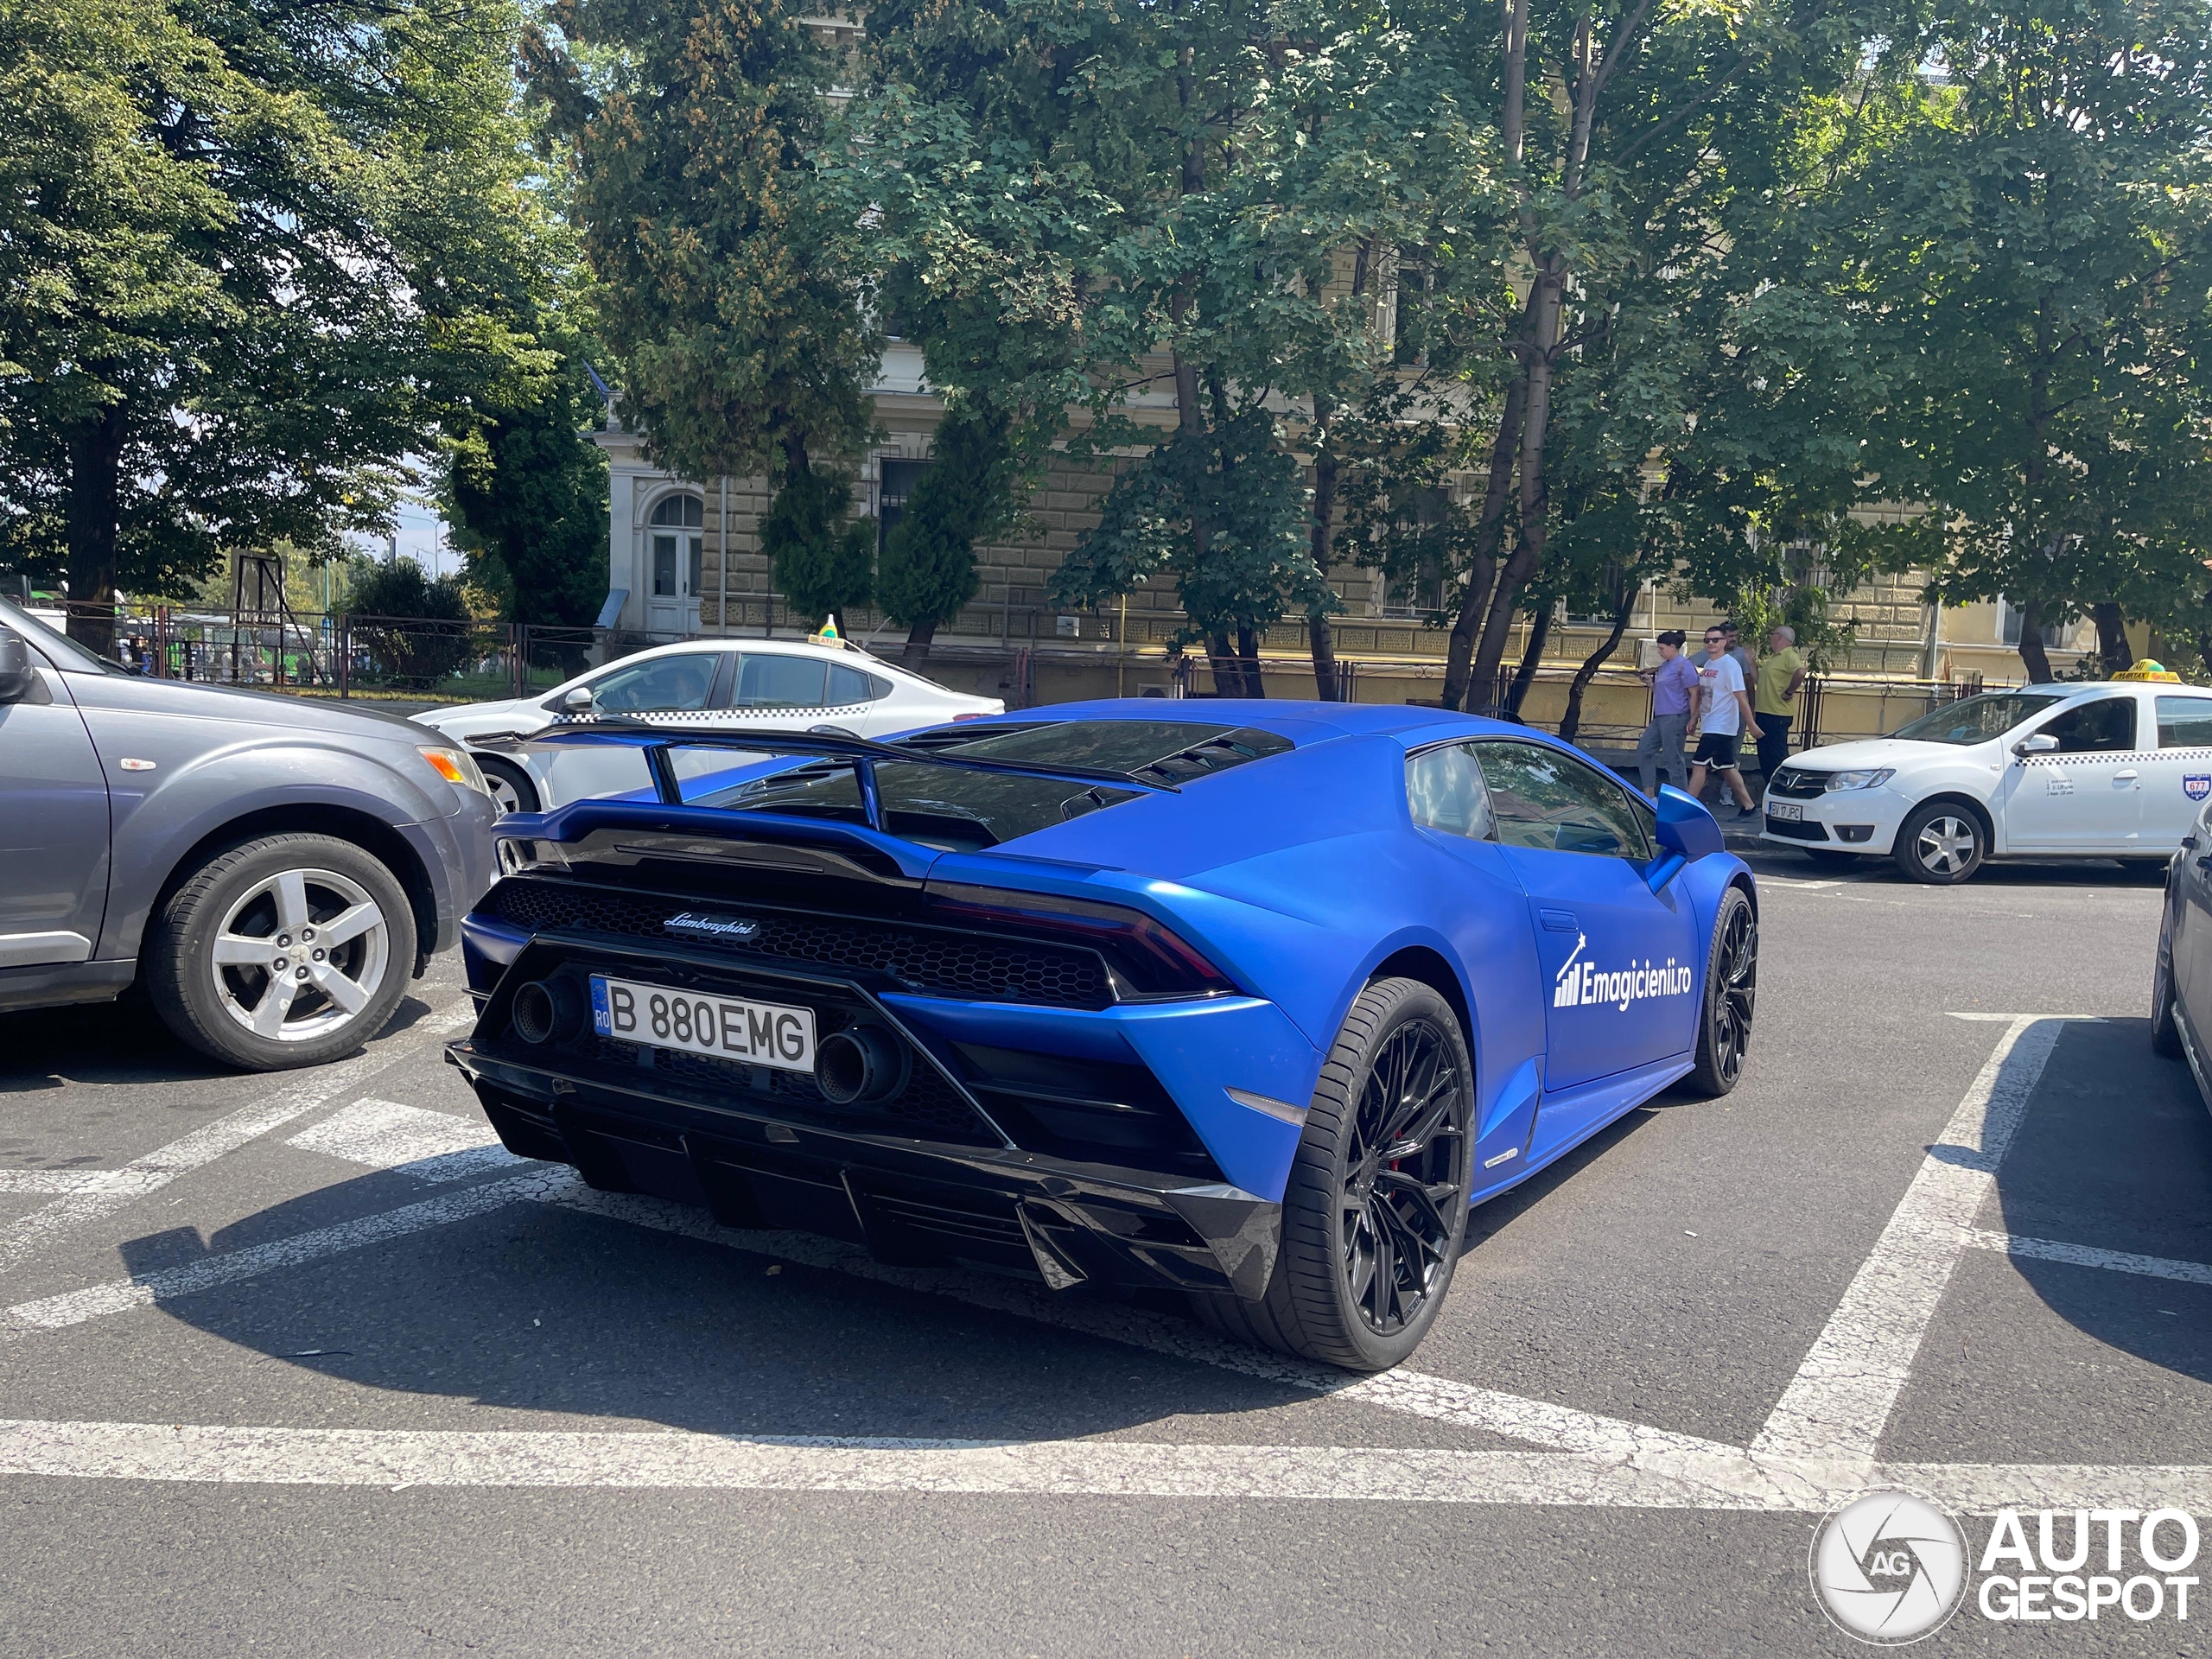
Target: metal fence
[348, 655]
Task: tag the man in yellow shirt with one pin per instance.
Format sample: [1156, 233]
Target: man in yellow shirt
[1780, 675]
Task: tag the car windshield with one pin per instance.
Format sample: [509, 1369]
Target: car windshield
[948, 807]
[62, 650]
[1975, 720]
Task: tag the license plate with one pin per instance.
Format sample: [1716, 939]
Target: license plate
[1785, 812]
[659, 1016]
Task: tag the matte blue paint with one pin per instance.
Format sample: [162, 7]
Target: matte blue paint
[1299, 876]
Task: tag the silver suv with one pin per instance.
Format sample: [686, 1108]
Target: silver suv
[272, 869]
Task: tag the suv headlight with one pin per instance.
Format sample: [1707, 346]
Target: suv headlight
[455, 766]
[1870, 778]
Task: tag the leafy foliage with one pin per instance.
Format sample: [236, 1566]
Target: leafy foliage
[967, 493]
[732, 284]
[248, 254]
[822, 556]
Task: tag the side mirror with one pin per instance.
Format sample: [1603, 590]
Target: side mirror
[1686, 829]
[578, 701]
[17, 677]
[2036, 743]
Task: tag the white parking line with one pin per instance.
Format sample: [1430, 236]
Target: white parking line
[204, 1145]
[430, 1147]
[1463, 1405]
[76, 1180]
[2084, 1256]
[396, 1459]
[118, 1296]
[1841, 1398]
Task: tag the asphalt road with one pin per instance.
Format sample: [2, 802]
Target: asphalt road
[298, 1363]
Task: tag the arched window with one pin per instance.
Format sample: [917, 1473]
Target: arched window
[676, 545]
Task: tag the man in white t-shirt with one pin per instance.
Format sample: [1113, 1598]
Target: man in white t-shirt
[1723, 713]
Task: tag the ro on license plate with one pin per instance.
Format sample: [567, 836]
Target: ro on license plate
[1785, 812]
[754, 1033]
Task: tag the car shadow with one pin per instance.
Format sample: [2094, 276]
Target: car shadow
[536, 1307]
[120, 1042]
[2115, 1155]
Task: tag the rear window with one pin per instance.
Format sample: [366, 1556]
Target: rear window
[945, 806]
[2185, 723]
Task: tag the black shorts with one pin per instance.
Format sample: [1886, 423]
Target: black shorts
[1717, 750]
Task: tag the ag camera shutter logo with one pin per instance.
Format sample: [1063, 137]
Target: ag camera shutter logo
[1890, 1568]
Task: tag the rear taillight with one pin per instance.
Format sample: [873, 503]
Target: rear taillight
[1155, 958]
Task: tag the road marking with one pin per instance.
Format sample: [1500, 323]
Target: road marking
[1841, 1398]
[156, 1169]
[144, 1290]
[430, 1147]
[396, 1459]
[1463, 1405]
[2084, 1256]
[2007, 1019]
[74, 1180]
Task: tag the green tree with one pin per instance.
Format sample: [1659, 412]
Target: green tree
[526, 493]
[2021, 229]
[732, 283]
[969, 493]
[822, 556]
[1066, 192]
[245, 252]
[418, 626]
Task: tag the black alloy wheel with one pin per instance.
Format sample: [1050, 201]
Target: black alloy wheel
[1732, 987]
[1376, 1204]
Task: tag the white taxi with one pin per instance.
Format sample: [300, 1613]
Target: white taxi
[2105, 769]
[721, 684]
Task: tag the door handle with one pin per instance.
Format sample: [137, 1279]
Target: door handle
[2124, 777]
[1558, 921]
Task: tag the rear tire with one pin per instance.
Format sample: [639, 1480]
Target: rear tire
[2166, 1029]
[282, 952]
[1941, 843]
[1369, 1242]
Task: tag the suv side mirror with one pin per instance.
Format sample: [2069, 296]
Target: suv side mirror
[2036, 743]
[17, 677]
[578, 701]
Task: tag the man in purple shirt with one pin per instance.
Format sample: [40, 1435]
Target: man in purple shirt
[1674, 683]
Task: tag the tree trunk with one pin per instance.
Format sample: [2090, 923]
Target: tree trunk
[95, 508]
[2112, 638]
[1248, 654]
[1529, 546]
[1483, 568]
[1328, 683]
[1571, 721]
[1228, 672]
[1320, 636]
[1540, 634]
[2031, 651]
[918, 645]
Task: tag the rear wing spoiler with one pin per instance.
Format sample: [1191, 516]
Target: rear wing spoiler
[862, 755]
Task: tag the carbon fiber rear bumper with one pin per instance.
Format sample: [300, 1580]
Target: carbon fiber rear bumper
[907, 1201]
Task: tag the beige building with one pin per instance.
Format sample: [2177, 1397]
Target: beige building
[684, 559]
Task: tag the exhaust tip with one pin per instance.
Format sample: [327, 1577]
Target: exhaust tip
[546, 1010]
[861, 1065]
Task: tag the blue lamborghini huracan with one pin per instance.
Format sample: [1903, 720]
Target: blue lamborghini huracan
[1247, 1001]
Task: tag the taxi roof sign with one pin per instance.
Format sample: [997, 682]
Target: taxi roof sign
[2147, 669]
